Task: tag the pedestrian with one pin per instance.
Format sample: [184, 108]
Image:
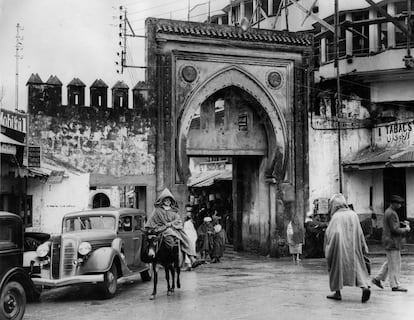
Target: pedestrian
[392, 234]
[294, 239]
[344, 250]
[219, 240]
[191, 232]
[165, 219]
[205, 238]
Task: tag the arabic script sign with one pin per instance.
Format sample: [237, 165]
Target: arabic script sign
[395, 134]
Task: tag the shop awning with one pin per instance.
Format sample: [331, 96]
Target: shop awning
[8, 140]
[381, 158]
[208, 178]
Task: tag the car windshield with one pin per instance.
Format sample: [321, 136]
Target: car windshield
[77, 223]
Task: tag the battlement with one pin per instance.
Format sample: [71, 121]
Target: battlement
[46, 97]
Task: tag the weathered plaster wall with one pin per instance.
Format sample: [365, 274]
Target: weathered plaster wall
[323, 159]
[52, 201]
[100, 144]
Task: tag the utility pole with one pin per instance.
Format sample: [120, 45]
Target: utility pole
[338, 92]
[19, 48]
[124, 26]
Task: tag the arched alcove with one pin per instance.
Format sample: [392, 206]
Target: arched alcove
[236, 79]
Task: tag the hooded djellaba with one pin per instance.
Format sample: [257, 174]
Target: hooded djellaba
[166, 220]
[344, 250]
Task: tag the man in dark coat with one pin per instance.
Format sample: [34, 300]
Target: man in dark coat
[392, 234]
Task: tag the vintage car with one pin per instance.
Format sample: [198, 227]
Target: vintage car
[98, 246]
[16, 285]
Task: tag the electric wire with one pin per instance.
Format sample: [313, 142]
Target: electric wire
[317, 89]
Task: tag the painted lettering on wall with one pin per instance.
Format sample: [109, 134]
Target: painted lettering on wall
[399, 132]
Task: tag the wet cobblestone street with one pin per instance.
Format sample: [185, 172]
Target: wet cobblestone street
[243, 286]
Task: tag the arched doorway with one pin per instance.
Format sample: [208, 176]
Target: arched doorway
[100, 200]
[232, 130]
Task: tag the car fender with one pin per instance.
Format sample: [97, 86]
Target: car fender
[117, 244]
[101, 260]
[19, 275]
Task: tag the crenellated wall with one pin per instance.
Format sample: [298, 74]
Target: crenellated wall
[117, 143]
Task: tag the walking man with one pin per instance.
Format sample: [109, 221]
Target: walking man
[392, 234]
[344, 250]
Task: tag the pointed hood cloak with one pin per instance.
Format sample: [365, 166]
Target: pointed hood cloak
[166, 193]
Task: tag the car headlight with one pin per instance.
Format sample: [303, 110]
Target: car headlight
[84, 248]
[43, 250]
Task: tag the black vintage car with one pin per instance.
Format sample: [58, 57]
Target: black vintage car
[16, 286]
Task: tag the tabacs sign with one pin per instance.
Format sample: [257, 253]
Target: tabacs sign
[397, 134]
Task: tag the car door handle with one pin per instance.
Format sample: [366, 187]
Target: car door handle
[135, 238]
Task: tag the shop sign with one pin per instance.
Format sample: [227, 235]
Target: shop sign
[395, 134]
[33, 156]
[13, 120]
[8, 149]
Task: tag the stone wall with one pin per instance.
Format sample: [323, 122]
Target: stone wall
[96, 141]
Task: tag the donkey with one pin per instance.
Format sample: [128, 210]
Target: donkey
[164, 250]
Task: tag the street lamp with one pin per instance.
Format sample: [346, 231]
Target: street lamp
[197, 5]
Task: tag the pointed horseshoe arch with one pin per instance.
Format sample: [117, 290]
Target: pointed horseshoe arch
[276, 128]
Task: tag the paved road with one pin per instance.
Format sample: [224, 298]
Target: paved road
[243, 286]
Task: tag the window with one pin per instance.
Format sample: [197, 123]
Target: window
[99, 101]
[360, 42]
[121, 101]
[26, 210]
[401, 37]
[243, 122]
[139, 222]
[275, 8]
[125, 224]
[10, 234]
[88, 222]
[76, 99]
[235, 15]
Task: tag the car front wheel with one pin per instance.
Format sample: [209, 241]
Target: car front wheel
[13, 301]
[110, 283]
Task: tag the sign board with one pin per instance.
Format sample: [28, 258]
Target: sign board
[395, 134]
[323, 206]
[33, 156]
[8, 149]
[13, 120]
[55, 176]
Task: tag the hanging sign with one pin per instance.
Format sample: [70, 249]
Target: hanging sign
[33, 156]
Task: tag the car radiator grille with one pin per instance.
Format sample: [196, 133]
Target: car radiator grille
[69, 255]
[55, 256]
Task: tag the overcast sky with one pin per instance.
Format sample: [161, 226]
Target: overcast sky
[78, 38]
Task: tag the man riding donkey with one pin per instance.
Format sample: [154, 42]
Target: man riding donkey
[166, 220]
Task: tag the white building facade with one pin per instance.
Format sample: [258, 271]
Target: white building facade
[372, 152]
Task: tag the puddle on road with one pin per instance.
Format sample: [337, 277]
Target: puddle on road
[237, 275]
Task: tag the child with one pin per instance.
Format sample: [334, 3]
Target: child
[295, 247]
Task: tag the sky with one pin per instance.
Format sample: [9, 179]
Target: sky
[79, 39]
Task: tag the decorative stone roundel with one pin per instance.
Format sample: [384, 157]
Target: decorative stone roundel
[274, 79]
[189, 73]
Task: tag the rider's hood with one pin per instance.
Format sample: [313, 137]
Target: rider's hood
[166, 194]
